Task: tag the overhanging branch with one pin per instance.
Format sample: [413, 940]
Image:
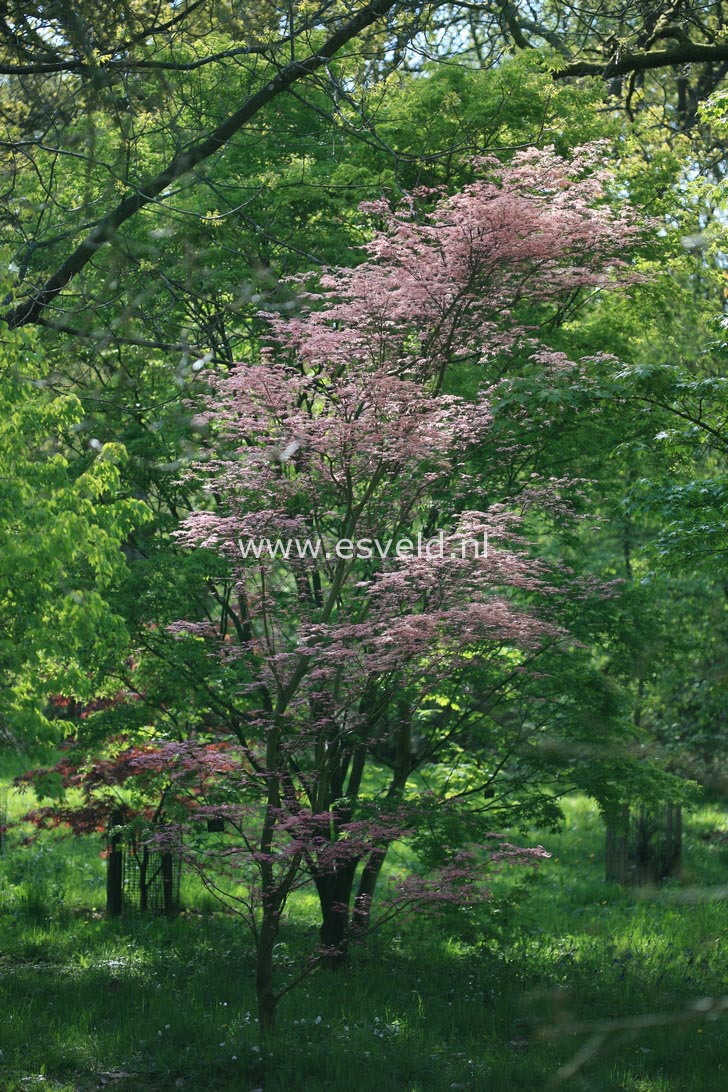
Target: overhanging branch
[29, 310]
[685, 53]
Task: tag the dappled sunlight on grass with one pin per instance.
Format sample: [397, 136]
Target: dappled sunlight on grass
[497, 997]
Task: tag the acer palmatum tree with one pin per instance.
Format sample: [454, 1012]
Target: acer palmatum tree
[361, 666]
[131, 784]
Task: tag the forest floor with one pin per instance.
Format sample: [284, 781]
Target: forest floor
[562, 981]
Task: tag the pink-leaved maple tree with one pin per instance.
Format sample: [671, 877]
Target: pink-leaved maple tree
[356, 657]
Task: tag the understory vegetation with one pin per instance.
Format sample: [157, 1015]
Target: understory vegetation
[561, 980]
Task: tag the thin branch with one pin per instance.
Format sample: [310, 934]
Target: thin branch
[110, 339]
[126, 66]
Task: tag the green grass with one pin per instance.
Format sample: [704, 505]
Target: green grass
[487, 999]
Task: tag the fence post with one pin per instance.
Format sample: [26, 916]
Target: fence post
[115, 870]
[168, 899]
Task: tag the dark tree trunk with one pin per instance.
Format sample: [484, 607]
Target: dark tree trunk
[264, 973]
[115, 870]
[334, 892]
[361, 916]
[114, 879]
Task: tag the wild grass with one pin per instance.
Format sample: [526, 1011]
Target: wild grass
[561, 981]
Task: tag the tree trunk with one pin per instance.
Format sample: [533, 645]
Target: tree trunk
[271, 902]
[264, 973]
[334, 892]
[114, 879]
[361, 916]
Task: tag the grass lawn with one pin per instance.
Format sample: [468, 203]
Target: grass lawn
[562, 981]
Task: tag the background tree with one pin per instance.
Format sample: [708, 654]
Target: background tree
[61, 559]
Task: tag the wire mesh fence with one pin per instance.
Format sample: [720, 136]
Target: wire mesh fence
[140, 877]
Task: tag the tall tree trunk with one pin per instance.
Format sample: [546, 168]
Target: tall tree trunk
[334, 892]
[267, 999]
[271, 902]
[361, 915]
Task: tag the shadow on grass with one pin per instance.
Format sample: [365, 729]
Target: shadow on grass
[501, 997]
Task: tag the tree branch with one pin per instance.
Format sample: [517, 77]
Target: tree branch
[28, 311]
[42, 68]
[686, 53]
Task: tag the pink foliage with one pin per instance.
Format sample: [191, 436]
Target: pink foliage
[345, 429]
[136, 782]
